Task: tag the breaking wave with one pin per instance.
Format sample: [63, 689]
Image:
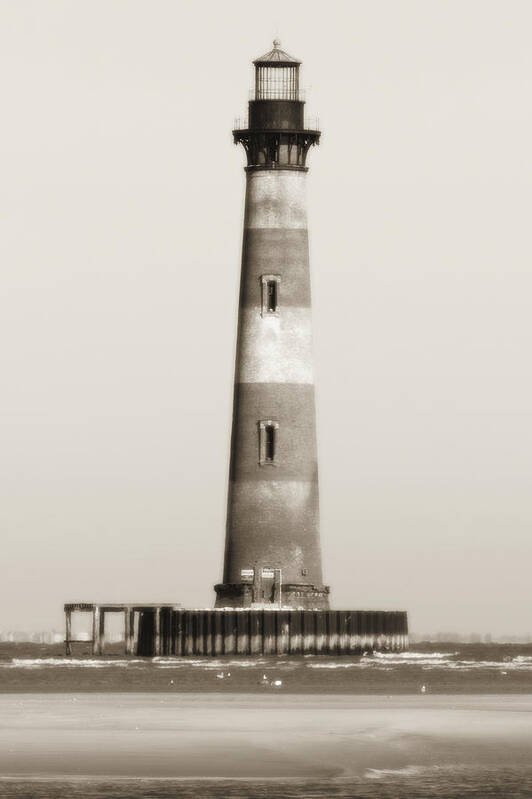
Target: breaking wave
[402, 656]
[427, 661]
[406, 771]
[90, 663]
[377, 661]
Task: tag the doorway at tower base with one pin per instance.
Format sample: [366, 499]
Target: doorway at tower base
[228, 631]
[272, 593]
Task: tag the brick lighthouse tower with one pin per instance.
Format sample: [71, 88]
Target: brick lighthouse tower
[272, 553]
[272, 600]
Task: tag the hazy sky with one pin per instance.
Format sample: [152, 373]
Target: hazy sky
[121, 217]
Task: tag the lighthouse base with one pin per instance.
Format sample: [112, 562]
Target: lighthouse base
[270, 632]
[274, 596]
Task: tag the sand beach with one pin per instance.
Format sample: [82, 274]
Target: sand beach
[248, 736]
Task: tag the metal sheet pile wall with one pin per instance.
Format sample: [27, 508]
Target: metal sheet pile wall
[271, 632]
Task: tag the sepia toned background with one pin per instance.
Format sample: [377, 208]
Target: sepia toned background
[120, 232]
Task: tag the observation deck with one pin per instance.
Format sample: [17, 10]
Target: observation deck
[276, 133]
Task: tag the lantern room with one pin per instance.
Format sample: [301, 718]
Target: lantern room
[275, 134]
[276, 75]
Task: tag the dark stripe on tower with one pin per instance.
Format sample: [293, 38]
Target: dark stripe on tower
[292, 404]
[269, 529]
[281, 252]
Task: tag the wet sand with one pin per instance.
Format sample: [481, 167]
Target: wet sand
[236, 736]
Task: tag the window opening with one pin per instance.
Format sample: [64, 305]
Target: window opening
[268, 442]
[271, 285]
[269, 453]
[272, 295]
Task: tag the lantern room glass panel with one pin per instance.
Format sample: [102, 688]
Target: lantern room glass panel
[277, 82]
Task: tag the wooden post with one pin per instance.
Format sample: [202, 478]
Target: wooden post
[189, 633]
[256, 595]
[268, 632]
[218, 634]
[102, 630]
[157, 632]
[132, 631]
[96, 642]
[243, 632]
[256, 631]
[127, 631]
[68, 632]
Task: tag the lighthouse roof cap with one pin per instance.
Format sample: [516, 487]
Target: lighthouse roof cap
[276, 57]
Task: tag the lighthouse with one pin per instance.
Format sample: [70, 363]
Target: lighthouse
[272, 550]
[272, 600]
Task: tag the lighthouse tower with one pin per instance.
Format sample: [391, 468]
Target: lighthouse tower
[272, 553]
[272, 600]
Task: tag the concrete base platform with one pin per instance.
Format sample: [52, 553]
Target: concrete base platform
[178, 632]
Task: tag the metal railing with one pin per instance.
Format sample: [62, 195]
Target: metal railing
[311, 123]
[277, 94]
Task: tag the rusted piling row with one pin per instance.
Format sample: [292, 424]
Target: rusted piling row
[270, 632]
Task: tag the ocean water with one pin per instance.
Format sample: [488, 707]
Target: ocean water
[453, 782]
[449, 669]
[438, 721]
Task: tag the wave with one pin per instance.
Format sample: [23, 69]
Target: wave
[36, 663]
[413, 655]
[378, 661]
[426, 661]
[159, 662]
[406, 771]
[335, 665]
[415, 659]
[216, 663]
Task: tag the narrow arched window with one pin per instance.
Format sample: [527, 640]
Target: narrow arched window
[271, 285]
[272, 296]
[268, 434]
[269, 444]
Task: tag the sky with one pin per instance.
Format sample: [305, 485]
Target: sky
[120, 234]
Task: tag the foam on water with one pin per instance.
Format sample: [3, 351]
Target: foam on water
[216, 663]
[90, 663]
[206, 663]
[404, 656]
[335, 665]
[377, 661]
[427, 661]
[406, 771]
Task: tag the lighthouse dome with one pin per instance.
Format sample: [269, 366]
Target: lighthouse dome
[276, 57]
